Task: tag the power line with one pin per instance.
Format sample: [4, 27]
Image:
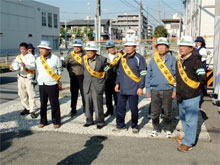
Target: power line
[148, 13]
[131, 4]
[171, 7]
[127, 4]
[102, 12]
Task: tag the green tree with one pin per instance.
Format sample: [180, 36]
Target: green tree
[62, 33]
[90, 35]
[160, 31]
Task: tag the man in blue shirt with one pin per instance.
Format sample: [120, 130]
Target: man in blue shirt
[160, 86]
[49, 69]
[130, 82]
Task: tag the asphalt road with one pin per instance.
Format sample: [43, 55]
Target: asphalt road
[9, 89]
[63, 148]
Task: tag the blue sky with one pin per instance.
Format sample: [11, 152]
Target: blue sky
[78, 9]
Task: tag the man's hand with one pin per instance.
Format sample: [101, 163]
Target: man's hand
[148, 95]
[174, 95]
[139, 92]
[22, 64]
[11, 67]
[117, 88]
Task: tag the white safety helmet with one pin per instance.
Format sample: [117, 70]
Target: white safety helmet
[186, 41]
[91, 45]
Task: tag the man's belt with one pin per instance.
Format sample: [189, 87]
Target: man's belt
[22, 76]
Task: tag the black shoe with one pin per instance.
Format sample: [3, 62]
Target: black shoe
[87, 125]
[71, 114]
[24, 112]
[33, 115]
[100, 126]
[108, 113]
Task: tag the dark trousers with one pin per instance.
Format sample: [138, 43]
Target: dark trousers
[76, 84]
[121, 110]
[161, 99]
[51, 92]
[109, 92]
[94, 100]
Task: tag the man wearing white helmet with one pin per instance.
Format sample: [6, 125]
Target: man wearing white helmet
[49, 69]
[160, 85]
[75, 69]
[94, 85]
[190, 80]
[130, 82]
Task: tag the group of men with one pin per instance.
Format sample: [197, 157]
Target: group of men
[122, 76]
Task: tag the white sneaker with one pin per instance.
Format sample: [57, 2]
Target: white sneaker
[154, 133]
[168, 134]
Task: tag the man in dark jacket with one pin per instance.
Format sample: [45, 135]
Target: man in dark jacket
[190, 79]
[111, 74]
[129, 83]
[75, 69]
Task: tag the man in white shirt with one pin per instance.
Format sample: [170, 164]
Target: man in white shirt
[25, 65]
[49, 69]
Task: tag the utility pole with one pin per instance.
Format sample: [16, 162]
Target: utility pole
[140, 25]
[159, 10]
[98, 22]
[88, 19]
[65, 35]
[140, 21]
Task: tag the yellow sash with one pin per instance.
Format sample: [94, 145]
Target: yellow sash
[128, 70]
[163, 68]
[49, 70]
[185, 78]
[92, 72]
[76, 57]
[26, 69]
[115, 61]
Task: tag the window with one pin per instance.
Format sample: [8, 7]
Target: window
[49, 19]
[44, 20]
[174, 25]
[55, 20]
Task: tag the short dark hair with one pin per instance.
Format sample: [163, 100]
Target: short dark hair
[23, 44]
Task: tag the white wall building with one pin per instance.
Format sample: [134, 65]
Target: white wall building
[126, 22]
[199, 18]
[27, 21]
[217, 53]
[173, 26]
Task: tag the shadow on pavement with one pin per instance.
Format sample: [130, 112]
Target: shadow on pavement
[89, 154]
[5, 80]
[6, 138]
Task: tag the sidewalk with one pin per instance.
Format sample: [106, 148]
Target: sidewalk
[11, 120]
